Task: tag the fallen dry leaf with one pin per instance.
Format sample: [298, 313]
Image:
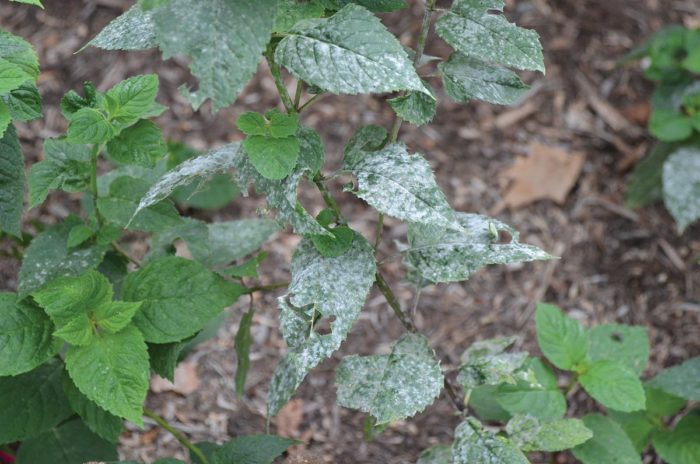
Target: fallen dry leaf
[186, 380]
[547, 173]
[289, 419]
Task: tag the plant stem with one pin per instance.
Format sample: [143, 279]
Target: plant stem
[452, 394]
[297, 94]
[265, 288]
[279, 83]
[310, 102]
[393, 302]
[379, 230]
[118, 248]
[177, 434]
[327, 197]
[96, 149]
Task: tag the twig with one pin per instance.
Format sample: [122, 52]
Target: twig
[327, 197]
[310, 102]
[184, 441]
[265, 288]
[394, 303]
[452, 394]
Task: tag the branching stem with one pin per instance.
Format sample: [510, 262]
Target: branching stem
[394, 302]
[184, 441]
[279, 83]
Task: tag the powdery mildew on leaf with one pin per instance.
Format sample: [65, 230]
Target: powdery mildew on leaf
[225, 40]
[531, 434]
[415, 107]
[439, 255]
[471, 28]
[394, 386]
[487, 363]
[133, 30]
[334, 288]
[402, 185]
[350, 52]
[681, 186]
[474, 444]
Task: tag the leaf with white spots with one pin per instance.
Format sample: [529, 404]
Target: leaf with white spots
[350, 52]
[532, 434]
[681, 186]
[486, 363]
[440, 255]
[133, 30]
[394, 386]
[331, 288]
[473, 444]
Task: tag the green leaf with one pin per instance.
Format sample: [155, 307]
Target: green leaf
[164, 358]
[466, 78]
[331, 288]
[367, 138]
[252, 123]
[26, 336]
[140, 144]
[78, 235]
[5, 117]
[113, 372]
[680, 445]
[645, 185]
[224, 39]
[242, 346]
[682, 380]
[394, 386]
[486, 363]
[88, 125]
[661, 403]
[290, 12]
[48, 257]
[350, 52]
[614, 386]
[30, 2]
[335, 245]
[624, 344]
[438, 454]
[11, 182]
[133, 30]
[681, 186]
[248, 268]
[483, 402]
[281, 124]
[33, 402]
[440, 255]
[637, 425]
[402, 185]
[609, 445]
[415, 107]
[273, 158]
[179, 298]
[11, 76]
[669, 125]
[24, 102]
[96, 419]
[253, 449]
[531, 434]
[375, 6]
[471, 28]
[132, 99]
[561, 339]
[65, 166]
[474, 444]
[68, 443]
[19, 52]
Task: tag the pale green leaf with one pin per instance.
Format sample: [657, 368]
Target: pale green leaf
[11, 182]
[415, 107]
[475, 445]
[69, 443]
[614, 386]
[609, 445]
[670, 125]
[638, 426]
[682, 380]
[402, 185]
[350, 52]
[438, 454]
[531, 434]
[394, 386]
[19, 52]
[24, 102]
[133, 30]
[471, 28]
[661, 403]
[224, 39]
[88, 125]
[335, 244]
[132, 99]
[33, 402]
[179, 298]
[252, 449]
[140, 144]
[440, 255]
[65, 166]
[486, 363]
[26, 339]
[375, 6]
[330, 288]
[680, 445]
[11, 76]
[466, 78]
[290, 12]
[30, 2]
[113, 371]
[273, 158]
[5, 117]
[561, 339]
[681, 186]
[624, 344]
[98, 420]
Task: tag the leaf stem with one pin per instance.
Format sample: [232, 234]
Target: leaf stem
[297, 94]
[310, 102]
[96, 149]
[118, 248]
[327, 197]
[265, 288]
[394, 302]
[184, 441]
[379, 230]
[279, 83]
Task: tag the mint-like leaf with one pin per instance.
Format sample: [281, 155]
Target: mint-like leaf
[561, 339]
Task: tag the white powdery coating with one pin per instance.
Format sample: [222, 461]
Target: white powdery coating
[530, 434]
[403, 186]
[440, 255]
[681, 186]
[473, 30]
[473, 444]
[486, 363]
[220, 160]
[394, 386]
[336, 288]
[350, 52]
[133, 30]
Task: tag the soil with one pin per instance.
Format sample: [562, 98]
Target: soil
[617, 265]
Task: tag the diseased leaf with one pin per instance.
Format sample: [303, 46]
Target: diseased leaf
[681, 186]
[609, 444]
[133, 30]
[33, 402]
[394, 386]
[95, 418]
[440, 255]
[350, 52]
[624, 344]
[473, 444]
[561, 339]
[682, 380]
[252, 449]
[402, 185]
[415, 107]
[113, 372]
[140, 144]
[614, 386]
[680, 445]
[332, 288]
[471, 28]
[438, 454]
[466, 78]
[179, 298]
[290, 12]
[11, 181]
[225, 41]
[375, 6]
[66, 166]
[486, 363]
[531, 434]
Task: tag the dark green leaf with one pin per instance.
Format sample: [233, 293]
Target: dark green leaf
[242, 346]
[252, 449]
[415, 107]
[335, 245]
[11, 181]
[273, 158]
[24, 102]
[614, 386]
[561, 339]
[140, 144]
[682, 380]
[96, 419]
[670, 126]
[65, 166]
[645, 185]
[609, 445]
[19, 52]
[680, 445]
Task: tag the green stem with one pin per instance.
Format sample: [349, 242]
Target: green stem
[279, 83]
[327, 197]
[297, 94]
[118, 248]
[265, 288]
[96, 149]
[310, 102]
[177, 434]
[379, 230]
[393, 302]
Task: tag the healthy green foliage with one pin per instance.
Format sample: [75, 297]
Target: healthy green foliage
[65, 166]
[609, 444]
[680, 445]
[104, 424]
[682, 380]
[11, 182]
[561, 339]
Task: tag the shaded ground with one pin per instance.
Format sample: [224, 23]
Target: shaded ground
[617, 265]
